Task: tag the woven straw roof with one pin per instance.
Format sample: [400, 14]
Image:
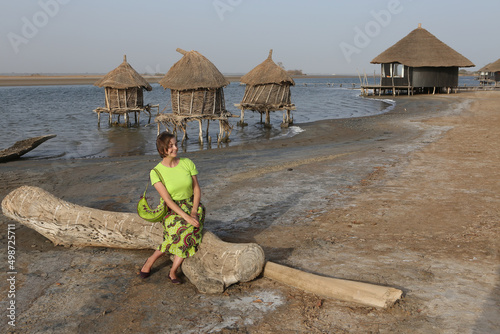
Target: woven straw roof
[193, 71]
[267, 72]
[492, 67]
[122, 77]
[420, 48]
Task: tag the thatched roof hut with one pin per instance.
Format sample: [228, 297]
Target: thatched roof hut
[267, 89]
[197, 94]
[420, 60]
[123, 90]
[196, 85]
[267, 72]
[492, 67]
[490, 73]
[122, 77]
[124, 87]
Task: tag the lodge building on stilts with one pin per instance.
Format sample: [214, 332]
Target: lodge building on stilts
[490, 74]
[418, 63]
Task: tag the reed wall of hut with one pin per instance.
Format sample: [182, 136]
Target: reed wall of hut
[124, 98]
[271, 96]
[205, 101]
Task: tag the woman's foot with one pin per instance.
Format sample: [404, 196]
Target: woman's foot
[174, 279]
[146, 270]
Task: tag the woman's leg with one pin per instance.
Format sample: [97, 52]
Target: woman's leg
[175, 265]
[146, 268]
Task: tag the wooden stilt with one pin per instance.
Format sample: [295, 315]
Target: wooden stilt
[242, 116]
[184, 136]
[219, 137]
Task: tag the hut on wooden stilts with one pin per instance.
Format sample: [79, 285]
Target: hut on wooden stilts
[419, 62]
[123, 91]
[490, 74]
[197, 94]
[267, 89]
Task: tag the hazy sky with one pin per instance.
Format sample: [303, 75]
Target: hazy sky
[319, 37]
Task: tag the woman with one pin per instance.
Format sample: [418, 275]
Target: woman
[181, 192]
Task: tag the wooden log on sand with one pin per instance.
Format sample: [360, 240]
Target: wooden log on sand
[350, 291]
[216, 264]
[22, 147]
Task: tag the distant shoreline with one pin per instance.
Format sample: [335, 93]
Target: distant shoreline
[45, 80]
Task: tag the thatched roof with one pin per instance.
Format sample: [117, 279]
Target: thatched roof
[267, 72]
[193, 71]
[492, 67]
[420, 48]
[122, 77]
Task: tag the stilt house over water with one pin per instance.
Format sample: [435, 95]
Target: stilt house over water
[490, 74]
[123, 91]
[419, 62]
[267, 89]
[197, 94]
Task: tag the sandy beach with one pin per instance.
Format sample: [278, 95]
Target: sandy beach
[407, 199]
[42, 80]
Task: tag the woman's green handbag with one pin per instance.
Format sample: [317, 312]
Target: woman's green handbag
[144, 210]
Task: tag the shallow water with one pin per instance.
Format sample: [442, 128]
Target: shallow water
[66, 111]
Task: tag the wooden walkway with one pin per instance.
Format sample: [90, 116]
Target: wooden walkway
[367, 90]
[383, 90]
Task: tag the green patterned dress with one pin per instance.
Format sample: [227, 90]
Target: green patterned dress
[180, 238]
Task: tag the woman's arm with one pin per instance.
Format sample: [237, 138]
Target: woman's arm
[196, 197]
[172, 205]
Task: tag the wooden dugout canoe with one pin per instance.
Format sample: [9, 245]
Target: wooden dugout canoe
[22, 147]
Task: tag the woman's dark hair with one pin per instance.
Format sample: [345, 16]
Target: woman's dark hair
[162, 142]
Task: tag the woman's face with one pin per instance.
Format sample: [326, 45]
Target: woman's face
[172, 148]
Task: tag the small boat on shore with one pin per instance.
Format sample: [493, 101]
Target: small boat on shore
[22, 147]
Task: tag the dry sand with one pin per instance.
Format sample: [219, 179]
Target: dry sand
[406, 199]
[42, 80]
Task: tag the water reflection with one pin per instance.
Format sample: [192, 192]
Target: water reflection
[122, 141]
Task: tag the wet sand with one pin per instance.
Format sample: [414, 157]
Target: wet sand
[406, 199]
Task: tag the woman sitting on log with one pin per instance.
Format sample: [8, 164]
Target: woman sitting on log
[181, 192]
